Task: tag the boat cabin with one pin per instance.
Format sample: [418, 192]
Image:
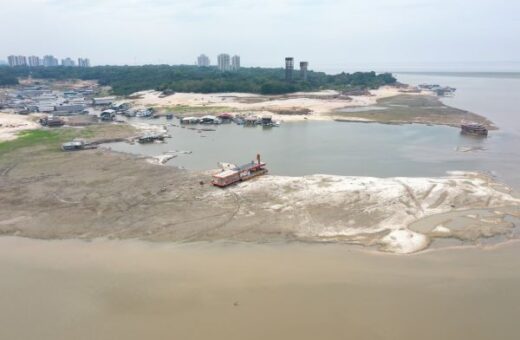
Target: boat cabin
[77, 144]
[190, 120]
[474, 129]
[240, 173]
[209, 120]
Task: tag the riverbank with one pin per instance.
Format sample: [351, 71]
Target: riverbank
[394, 105]
[98, 193]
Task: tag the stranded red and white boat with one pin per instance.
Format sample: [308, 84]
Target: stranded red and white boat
[239, 173]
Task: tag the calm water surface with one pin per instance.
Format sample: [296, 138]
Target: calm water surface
[135, 290]
[359, 149]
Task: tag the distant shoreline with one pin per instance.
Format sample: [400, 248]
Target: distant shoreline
[400, 106]
[478, 74]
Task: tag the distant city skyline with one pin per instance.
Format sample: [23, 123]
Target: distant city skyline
[47, 61]
[335, 35]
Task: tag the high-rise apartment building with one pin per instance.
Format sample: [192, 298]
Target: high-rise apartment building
[67, 62]
[203, 60]
[83, 62]
[223, 62]
[235, 63]
[34, 61]
[50, 60]
[17, 60]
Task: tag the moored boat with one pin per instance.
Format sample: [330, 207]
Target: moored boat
[239, 173]
[473, 129]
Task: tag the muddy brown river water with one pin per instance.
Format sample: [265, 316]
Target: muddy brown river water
[137, 290]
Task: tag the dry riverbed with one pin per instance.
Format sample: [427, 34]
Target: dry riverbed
[51, 194]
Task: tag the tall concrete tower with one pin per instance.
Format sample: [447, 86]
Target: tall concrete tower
[203, 60]
[223, 62]
[304, 66]
[235, 63]
[289, 67]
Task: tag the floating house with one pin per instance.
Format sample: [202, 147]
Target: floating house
[473, 129]
[103, 101]
[225, 117]
[151, 137]
[121, 106]
[46, 107]
[77, 144]
[210, 120]
[52, 121]
[107, 115]
[190, 120]
[146, 113]
[250, 120]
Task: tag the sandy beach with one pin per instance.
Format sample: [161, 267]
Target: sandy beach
[318, 105]
[12, 124]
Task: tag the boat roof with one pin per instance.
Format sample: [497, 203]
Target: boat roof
[225, 173]
[73, 143]
[475, 125]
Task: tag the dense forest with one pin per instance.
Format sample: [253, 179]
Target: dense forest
[125, 80]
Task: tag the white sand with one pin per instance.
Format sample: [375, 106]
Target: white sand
[320, 108]
[366, 210]
[12, 124]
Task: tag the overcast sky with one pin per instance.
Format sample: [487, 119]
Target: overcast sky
[330, 34]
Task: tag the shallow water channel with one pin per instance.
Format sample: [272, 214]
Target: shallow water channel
[350, 149]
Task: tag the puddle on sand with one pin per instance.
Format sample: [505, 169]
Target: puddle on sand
[470, 227]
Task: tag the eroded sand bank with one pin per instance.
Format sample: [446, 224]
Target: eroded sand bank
[378, 211]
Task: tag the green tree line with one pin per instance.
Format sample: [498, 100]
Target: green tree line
[125, 80]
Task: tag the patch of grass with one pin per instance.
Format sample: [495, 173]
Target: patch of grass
[32, 138]
[51, 139]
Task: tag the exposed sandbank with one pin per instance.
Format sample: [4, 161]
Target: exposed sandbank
[400, 106]
[94, 194]
[318, 105]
